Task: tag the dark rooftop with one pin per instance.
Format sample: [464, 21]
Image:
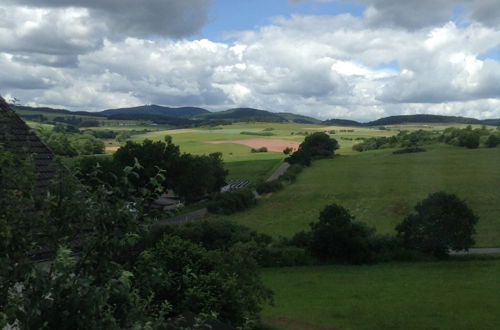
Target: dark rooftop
[17, 137]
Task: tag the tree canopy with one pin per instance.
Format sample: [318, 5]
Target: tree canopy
[442, 222]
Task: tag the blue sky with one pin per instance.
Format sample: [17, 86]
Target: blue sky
[237, 15]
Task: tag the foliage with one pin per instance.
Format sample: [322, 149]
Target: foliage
[269, 186]
[261, 149]
[232, 201]
[266, 133]
[101, 277]
[316, 145]
[408, 150]
[70, 144]
[192, 278]
[336, 236]
[287, 150]
[299, 157]
[319, 144]
[191, 176]
[492, 141]
[466, 137]
[291, 173]
[442, 222]
[403, 139]
[197, 176]
[212, 234]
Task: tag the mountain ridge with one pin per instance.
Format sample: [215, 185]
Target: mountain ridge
[195, 114]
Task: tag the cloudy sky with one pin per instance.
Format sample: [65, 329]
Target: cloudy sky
[354, 59]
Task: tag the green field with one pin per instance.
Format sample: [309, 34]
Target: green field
[380, 188]
[377, 187]
[423, 295]
[240, 161]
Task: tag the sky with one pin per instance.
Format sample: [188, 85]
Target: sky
[351, 59]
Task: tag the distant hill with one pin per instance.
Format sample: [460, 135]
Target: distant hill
[251, 114]
[342, 122]
[492, 122]
[55, 111]
[404, 119]
[243, 114]
[298, 118]
[157, 110]
[197, 116]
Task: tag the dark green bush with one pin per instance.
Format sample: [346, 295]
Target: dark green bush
[285, 256]
[261, 149]
[408, 150]
[492, 141]
[269, 186]
[232, 201]
[338, 237]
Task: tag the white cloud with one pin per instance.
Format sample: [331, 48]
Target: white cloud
[329, 66]
[132, 18]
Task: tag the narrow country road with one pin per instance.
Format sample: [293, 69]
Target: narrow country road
[279, 171]
[183, 217]
[477, 251]
[203, 212]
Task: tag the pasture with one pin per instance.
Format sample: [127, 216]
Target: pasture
[380, 188]
[239, 160]
[453, 294]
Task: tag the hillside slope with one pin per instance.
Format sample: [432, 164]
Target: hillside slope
[156, 110]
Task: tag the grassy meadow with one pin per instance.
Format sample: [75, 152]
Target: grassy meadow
[380, 188]
[454, 294]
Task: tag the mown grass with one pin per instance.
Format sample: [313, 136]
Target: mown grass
[424, 295]
[381, 189]
[252, 170]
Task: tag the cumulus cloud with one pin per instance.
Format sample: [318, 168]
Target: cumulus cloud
[417, 14]
[324, 66]
[131, 18]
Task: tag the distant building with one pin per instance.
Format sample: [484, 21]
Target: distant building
[17, 137]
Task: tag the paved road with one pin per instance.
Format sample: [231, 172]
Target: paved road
[477, 251]
[183, 217]
[279, 171]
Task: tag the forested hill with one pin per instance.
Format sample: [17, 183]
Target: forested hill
[250, 114]
[156, 110]
[342, 122]
[187, 116]
[395, 120]
[408, 119]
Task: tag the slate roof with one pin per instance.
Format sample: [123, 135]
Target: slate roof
[18, 138]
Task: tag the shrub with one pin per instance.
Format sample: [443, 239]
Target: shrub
[442, 222]
[210, 282]
[261, 149]
[408, 150]
[257, 133]
[336, 236]
[284, 256]
[492, 141]
[232, 201]
[468, 139]
[269, 186]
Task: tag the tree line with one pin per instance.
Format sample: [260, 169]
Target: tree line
[466, 137]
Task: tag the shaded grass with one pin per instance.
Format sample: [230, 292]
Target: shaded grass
[381, 189]
[423, 295]
[252, 170]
